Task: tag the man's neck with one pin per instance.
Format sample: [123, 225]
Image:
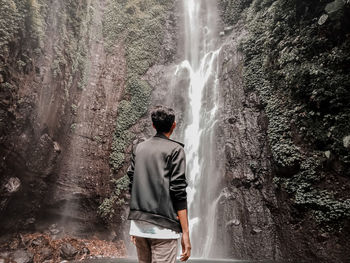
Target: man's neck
[167, 134]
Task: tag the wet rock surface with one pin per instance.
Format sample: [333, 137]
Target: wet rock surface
[22, 256]
[261, 218]
[54, 150]
[67, 251]
[248, 194]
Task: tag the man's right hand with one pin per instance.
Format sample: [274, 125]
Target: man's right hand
[185, 240]
[186, 247]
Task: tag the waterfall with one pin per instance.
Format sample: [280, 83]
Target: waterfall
[201, 64]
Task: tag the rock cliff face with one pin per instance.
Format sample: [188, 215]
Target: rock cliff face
[248, 194]
[58, 114]
[72, 98]
[285, 197]
[76, 82]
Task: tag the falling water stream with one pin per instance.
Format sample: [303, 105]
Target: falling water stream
[202, 65]
[199, 70]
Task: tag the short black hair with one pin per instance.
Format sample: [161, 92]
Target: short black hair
[163, 118]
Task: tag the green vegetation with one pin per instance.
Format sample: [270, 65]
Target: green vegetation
[233, 10]
[107, 209]
[297, 59]
[24, 24]
[73, 126]
[140, 26]
[21, 23]
[21, 35]
[10, 22]
[74, 109]
[74, 20]
[31, 30]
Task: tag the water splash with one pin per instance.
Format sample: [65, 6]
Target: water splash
[202, 66]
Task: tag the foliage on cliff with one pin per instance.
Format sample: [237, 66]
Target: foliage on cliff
[139, 25]
[25, 27]
[43, 51]
[297, 57]
[15, 16]
[21, 33]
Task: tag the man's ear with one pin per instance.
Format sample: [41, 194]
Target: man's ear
[153, 126]
[173, 126]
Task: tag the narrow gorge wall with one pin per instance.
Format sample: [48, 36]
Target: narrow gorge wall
[248, 195]
[290, 92]
[71, 77]
[77, 79]
[60, 90]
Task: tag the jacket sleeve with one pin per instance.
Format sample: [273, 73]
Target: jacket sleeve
[131, 168]
[178, 181]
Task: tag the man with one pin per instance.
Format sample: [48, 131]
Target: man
[158, 206]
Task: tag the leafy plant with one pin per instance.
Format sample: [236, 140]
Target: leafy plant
[140, 25]
[110, 205]
[300, 69]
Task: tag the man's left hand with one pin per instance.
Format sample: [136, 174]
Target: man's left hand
[133, 240]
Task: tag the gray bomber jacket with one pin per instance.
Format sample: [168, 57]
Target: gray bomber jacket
[158, 182]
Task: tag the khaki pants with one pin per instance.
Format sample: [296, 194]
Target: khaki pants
[150, 250]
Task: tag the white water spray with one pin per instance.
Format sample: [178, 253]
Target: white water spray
[201, 63]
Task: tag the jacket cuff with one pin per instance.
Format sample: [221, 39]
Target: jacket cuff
[180, 205]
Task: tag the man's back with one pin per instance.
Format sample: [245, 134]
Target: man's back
[159, 182]
[158, 206]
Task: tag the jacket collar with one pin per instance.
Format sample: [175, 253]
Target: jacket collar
[161, 135]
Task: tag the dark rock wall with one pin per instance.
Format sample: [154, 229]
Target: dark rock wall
[292, 65]
[247, 198]
[73, 94]
[31, 138]
[58, 114]
[84, 175]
